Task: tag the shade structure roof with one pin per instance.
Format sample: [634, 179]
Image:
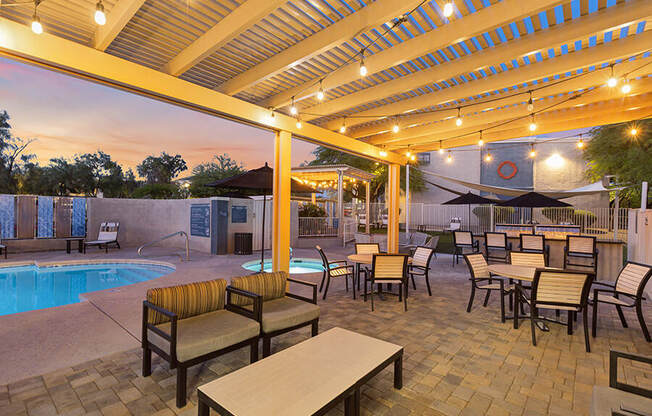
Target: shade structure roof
[260, 179]
[469, 199]
[330, 173]
[483, 63]
[534, 200]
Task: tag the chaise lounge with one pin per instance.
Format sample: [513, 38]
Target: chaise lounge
[189, 324]
[108, 235]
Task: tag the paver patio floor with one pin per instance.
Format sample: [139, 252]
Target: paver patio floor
[455, 363]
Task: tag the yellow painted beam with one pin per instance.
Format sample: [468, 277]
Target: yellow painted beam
[393, 213]
[488, 18]
[608, 52]
[19, 42]
[621, 15]
[367, 203]
[120, 15]
[550, 88]
[281, 202]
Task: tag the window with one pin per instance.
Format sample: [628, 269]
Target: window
[423, 158]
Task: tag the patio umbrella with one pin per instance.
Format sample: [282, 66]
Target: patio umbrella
[534, 200]
[260, 180]
[469, 199]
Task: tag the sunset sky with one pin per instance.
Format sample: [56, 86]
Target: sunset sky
[68, 115]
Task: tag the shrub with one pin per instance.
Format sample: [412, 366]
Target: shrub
[157, 191]
[501, 214]
[558, 215]
[311, 210]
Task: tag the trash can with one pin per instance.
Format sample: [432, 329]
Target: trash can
[243, 243]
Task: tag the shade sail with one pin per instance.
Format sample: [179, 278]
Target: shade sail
[468, 199]
[534, 200]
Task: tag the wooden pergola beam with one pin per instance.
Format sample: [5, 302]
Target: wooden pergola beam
[566, 33]
[120, 15]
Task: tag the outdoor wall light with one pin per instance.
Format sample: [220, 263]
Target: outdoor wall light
[555, 161]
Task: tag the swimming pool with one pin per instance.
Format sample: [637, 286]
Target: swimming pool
[27, 288]
[297, 266]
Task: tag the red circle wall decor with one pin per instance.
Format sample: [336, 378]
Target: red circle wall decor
[511, 174]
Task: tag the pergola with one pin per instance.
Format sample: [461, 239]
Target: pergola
[335, 176]
[378, 79]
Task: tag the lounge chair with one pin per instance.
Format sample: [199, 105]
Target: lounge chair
[108, 235]
[3, 249]
[455, 224]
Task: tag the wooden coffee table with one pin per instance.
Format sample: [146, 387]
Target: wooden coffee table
[306, 379]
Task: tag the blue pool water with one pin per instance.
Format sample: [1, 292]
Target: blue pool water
[28, 288]
[297, 266]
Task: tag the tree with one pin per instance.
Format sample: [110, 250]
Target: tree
[161, 169]
[612, 150]
[220, 167]
[12, 151]
[326, 156]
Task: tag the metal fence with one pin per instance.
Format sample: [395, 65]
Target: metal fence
[318, 227]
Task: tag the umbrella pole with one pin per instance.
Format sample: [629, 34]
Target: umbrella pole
[262, 250]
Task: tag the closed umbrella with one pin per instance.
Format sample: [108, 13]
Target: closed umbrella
[469, 199]
[260, 180]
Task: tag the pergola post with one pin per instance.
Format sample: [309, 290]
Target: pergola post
[340, 202]
[393, 194]
[367, 189]
[281, 202]
[407, 199]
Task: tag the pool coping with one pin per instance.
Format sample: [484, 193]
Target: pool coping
[45, 264]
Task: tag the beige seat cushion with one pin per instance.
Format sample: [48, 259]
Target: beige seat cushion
[287, 312]
[209, 332]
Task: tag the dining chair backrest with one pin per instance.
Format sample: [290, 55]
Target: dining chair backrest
[422, 256]
[532, 242]
[633, 278]
[462, 238]
[362, 238]
[419, 239]
[495, 240]
[367, 248]
[580, 244]
[478, 266]
[432, 243]
[404, 238]
[389, 266]
[324, 260]
[562, 288]
[519, 258]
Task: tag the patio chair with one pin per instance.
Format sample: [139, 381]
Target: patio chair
[482, 279]
[417, 239]
[390, 269]
[520, 258]
[189, 324]
[621, 398]
[627, 291]
[281, 311]
[404, 239]
[421, 265]
[559, 290]
[361, 238]
[335, 269]
[496, 246]
[581, 247]
[455, 224]
[534, 243]
[367, 248]
[463, 240]
[107, 236]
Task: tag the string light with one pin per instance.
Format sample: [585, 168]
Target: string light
[449, 158]
[530, 103]
[480, 142]
[488, 157]
[293, 109]
[343, 127]
[458, 120]
[383, 153]
[441, 149]
[633, 131]
[448, 9]
[626, 88]
[100, 17]
[532, 153]
[363, 68]
[413, 158]
[612, 81]
[299, 125]
[395, 127]
[533, 125]
[320, 93]
[580, 143]
[36, 22]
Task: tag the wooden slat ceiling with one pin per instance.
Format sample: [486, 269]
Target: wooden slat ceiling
[160, 30]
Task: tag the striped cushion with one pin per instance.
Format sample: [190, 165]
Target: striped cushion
[528, 259]
[630, 278]
[268, 285]
[340, 271]
[421, 256]
[187, 300]
[478, 265]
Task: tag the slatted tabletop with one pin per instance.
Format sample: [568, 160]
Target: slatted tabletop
[365, 258]
[512, 271]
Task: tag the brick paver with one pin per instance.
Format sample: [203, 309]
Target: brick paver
[456, 363]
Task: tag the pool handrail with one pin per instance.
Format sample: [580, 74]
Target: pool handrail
[183, 233]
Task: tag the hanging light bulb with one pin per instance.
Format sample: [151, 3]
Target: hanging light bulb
[633, 131]
[363, 68]
[271, 113]
[612, 81]
[293, 109]
[441, 149]
[343, 127]
[448, 9]
[320, 93]
[480, 141]
[626, 88]
[383, 153]
[449, 158]
[408, 153]
[395, 127]
[488, 157]
[299, 125]
[413, 158]
[533, 125]
[458, 120]
[532, 153]
[580, 143]
[530, 103]
[100, 17]
[36, 22]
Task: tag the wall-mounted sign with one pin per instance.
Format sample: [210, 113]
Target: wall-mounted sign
[200, 220]
[238, 214]
[512, 170]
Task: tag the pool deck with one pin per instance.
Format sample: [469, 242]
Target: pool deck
[40, 341]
